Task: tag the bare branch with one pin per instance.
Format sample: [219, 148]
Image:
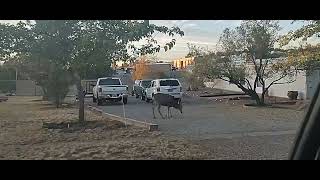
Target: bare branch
[287, 82]
[224, 79]
[248, 83]
[273, 82]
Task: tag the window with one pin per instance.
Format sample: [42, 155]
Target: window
[145, 84]
[137, 82]
[169, 83]
[109, 82]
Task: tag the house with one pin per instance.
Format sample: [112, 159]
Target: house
[305, 84]
[183, 63]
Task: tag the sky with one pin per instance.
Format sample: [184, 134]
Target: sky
[204, 33]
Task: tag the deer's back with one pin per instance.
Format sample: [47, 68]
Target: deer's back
[164, 99]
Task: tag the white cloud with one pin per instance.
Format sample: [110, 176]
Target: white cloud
[190, 25]
[9, 21]
[218, 21]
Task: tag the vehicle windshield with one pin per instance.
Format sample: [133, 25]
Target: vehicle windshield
[109, 82]
[209, 89]
[169, 83]
[146, 84]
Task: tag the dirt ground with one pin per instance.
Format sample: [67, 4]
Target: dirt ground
[24, 137]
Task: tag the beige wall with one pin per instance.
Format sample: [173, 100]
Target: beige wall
[27, 88]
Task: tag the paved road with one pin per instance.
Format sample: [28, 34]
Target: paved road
[204, 120]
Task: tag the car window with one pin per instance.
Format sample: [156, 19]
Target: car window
[169, 83]
[145, 84]
[109, 82]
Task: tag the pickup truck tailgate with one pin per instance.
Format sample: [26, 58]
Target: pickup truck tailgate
[114, 89]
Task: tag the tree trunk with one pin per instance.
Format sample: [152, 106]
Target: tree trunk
[264, 91]
[57, 101]
[256, 97]
[263, 96]
[45, 95]
[81, 100]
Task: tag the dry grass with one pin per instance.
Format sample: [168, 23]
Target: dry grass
[24, 137]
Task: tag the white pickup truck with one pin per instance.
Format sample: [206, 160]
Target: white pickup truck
[110, 89]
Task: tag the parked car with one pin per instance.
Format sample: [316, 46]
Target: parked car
[135, 88]
[148, 93]
[141, 88]
[166, 86]
[110, 89]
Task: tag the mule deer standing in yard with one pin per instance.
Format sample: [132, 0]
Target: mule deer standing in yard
[160, 99]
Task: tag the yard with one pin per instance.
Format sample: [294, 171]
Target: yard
[24, 137]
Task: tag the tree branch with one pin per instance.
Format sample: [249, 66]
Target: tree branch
[224, 79]
[248, 83]
[275, 81]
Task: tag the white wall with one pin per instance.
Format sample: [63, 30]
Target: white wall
[220, 84]
[275, 90]
[299, 85]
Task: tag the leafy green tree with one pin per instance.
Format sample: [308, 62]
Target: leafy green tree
[307, 56]
[79, 47]
[246, 53]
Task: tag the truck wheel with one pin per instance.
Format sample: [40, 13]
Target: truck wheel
[147, 100]
[94, 99]
[99, 102]
[132, 93]
[137, 96]
[125, 100]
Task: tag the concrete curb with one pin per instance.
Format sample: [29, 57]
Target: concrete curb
[128, 121]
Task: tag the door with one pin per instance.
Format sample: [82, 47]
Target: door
[312, 79]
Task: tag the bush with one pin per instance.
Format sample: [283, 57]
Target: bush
[293, 95]
[194, 81]
[58, 85]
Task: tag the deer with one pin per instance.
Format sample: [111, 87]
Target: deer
[161, 99]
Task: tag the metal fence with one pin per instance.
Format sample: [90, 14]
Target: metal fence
[7, 86]
[20, 88]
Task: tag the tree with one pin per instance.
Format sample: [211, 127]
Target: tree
[142, 70]
[78, 47]
[108, 40]
[195, 51]
[247, 53]
[306, 57]
[304, 33]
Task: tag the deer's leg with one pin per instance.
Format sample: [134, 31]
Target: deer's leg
[159, 106]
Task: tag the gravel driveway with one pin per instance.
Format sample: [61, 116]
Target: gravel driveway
[204, 119]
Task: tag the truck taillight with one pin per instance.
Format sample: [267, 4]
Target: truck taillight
[100, 89]
[158, 89]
